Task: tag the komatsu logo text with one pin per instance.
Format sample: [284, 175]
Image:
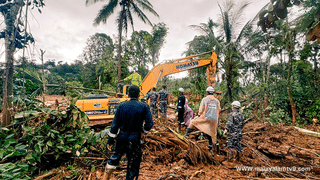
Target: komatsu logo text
[187, 65]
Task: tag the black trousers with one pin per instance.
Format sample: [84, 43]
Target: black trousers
[180, 115]
[132, 149]
[209, 138]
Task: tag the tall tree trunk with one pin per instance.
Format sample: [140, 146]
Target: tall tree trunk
[263, 72]
[315, 63]
[10, 18]
[119, 53]
[229, 79]
[266, 89]
[292, 103]
[153, 59]
[43, 78]
[120, 40]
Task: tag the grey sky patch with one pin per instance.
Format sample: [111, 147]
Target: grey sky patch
[64, 25]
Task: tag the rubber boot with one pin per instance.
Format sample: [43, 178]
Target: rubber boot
[188, 131]
[210, 147]
[217, 148]
[107, 174]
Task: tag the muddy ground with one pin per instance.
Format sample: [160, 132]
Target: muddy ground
[269, 151]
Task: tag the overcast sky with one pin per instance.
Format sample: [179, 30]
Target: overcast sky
[63, 27]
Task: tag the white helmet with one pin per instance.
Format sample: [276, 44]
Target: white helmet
[181, 90]
[210, 89]
[236, 104]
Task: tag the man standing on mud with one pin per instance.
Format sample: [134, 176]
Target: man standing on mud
[208, 121]
[153, 96]
[234, 126]
[125, 132]
[164, 101]
[180, 106]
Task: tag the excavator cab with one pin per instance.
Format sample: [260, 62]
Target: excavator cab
[124, 90]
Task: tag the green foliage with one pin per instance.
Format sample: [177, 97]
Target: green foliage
[54, 78]
[278, 116]
[312, 111]
[137, 47]
[195, 107]
[43, 138]
[27, 81]
[198, 79]
[158, 34]
[74, 93]
[303, 89]
[175, 92]
[67, 72]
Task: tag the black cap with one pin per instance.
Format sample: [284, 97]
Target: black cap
[134, 91]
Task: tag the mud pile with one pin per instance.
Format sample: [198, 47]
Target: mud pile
[269, 151]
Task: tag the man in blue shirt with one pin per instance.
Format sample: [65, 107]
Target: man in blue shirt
[125, 132]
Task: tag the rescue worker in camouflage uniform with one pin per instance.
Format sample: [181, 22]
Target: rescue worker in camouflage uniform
[234, 127]
[153, 96]
[131, 119]
[163, 101]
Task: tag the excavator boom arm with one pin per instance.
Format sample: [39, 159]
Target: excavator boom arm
[180, 65]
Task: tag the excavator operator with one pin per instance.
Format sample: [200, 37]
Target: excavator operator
[135, 79]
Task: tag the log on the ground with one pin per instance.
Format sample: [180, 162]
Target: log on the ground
[312, 133]
[46, 175]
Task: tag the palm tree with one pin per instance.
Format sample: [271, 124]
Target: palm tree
[227, 44]
[159, 33]
[124, 17]
[207, 29]
[230, 45]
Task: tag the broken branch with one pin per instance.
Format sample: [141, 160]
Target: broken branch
[305, 150]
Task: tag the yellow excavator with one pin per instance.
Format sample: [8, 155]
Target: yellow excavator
[101, 108]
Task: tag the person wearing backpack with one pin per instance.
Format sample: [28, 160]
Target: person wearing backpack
[207, 122]
[153, 96]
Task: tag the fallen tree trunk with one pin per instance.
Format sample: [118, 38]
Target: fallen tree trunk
[312, 133]
[46, 175]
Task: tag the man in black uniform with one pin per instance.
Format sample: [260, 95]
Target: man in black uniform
[180, 106]
[128, 120]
